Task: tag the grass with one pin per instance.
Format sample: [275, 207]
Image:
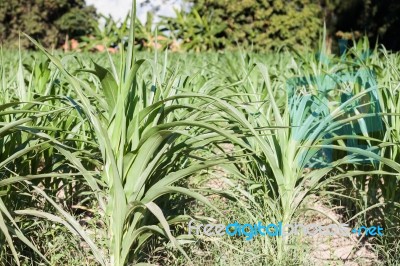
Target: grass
[103, 157]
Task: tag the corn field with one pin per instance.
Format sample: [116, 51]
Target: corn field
[104, 159]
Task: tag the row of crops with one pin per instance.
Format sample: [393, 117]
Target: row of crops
[99, 154]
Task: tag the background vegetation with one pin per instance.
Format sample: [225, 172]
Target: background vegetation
[208, 24]
[49, 21]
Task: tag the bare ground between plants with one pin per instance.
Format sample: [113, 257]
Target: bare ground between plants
[325, 250]
[338, 250]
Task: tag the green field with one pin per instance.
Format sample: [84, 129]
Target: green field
[105, 159]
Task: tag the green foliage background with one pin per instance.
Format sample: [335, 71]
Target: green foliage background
[46, 20]
[264, 24]
[208, 25]
[271, 24]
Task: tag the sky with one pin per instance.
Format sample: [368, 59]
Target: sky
[118, 9]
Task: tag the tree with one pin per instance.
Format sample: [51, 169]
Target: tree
[264, 24]
[270, 24]
[46, 20]
[378, 19]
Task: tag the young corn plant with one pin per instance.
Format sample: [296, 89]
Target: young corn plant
[142, 132]
[24, 144]
[296, 134]
[382, 190]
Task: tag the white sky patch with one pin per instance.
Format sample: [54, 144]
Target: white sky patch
[118, 9]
